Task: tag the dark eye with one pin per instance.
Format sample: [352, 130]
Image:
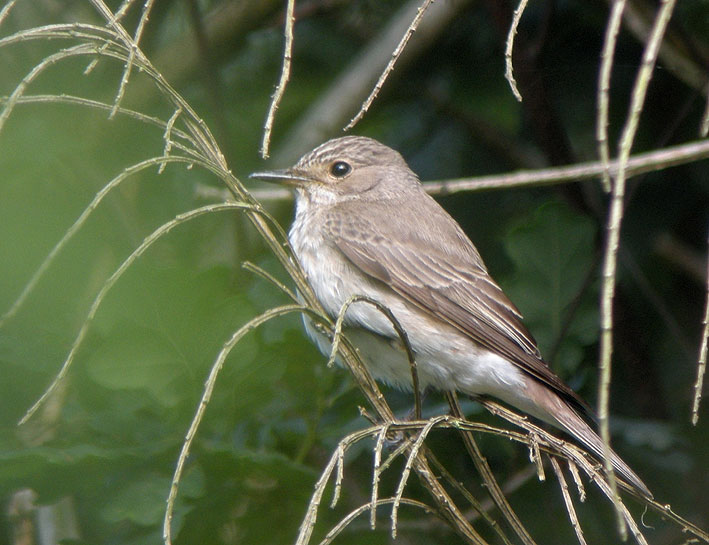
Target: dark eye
[339, 169]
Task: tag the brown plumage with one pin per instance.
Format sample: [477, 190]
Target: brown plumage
[365, 226]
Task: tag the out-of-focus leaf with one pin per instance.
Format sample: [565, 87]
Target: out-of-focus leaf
[553, 251]
[137, 358]
[142, 500]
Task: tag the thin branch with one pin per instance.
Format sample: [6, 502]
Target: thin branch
[335, 105]
[65, 31]
[573, 468]
[339, 476]
[573, 518]
[47, 62]
[615, 217]
[81, 220]
[403, 337]
[204, 401]
[702, 362]
[99, 39]
[109, 283]
[121, 11]
[340, 526]
[604, 83]
[559, 447]
[547, 443]
[376, 472]
[167, 136]
[509, 74]
[308, 524]
[5, 11]
[132, 46]
[285, 76]
[637, 165]
[488, 478]
[390, 65]
[81, 101]
[535, 457]
[413, 453]
[482, 508]
[674, 51]
[252, 267]
[553, 446]
[704, 125]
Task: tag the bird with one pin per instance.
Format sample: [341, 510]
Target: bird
[364, 225]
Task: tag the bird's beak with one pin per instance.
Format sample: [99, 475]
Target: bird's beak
[285, 176]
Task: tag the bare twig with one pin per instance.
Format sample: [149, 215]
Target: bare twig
[553, 445]
[390, 65]
[403, 337]
[308, 524]
[604, 83]
[122, 10]
[613, 238]
[637, 165]
[81, 220]
[252, 267]
[577, 480]
[547, 443]
[381, 437]
[638, 20]
[81, 101]
[339, 477]
[167, 137]
[702, 363]
[573, 518]
[108, 284]
[5, 11]
[509, 46]
[488, 477]
[133, 49]
[704, 125]
[204, 401]
[482, 508]
[285, 76]
[413, 453]
[372, 506]
[47, 62]
[535, 456]
[335, 106]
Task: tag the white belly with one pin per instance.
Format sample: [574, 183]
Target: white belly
[446, 359]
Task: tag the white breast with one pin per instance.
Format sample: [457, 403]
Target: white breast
[446, 359]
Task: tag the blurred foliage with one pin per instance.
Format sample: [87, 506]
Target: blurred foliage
[111, 437]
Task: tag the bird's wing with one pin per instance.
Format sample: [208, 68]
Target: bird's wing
[445, 276]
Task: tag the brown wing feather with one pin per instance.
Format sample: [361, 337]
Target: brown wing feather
[447, 278]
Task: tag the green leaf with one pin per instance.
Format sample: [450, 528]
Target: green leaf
[138, 358]
[553, 254]
[142, 500]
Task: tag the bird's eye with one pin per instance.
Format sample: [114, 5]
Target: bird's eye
[340, 169]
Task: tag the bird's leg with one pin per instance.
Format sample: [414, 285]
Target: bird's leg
[411, 415]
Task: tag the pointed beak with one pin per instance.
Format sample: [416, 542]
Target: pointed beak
[285, 176]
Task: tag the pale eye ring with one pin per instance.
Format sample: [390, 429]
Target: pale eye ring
[340, 169]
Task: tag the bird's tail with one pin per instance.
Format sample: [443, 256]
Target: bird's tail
[559, 413]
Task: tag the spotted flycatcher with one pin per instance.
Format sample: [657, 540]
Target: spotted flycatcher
[365, 226]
